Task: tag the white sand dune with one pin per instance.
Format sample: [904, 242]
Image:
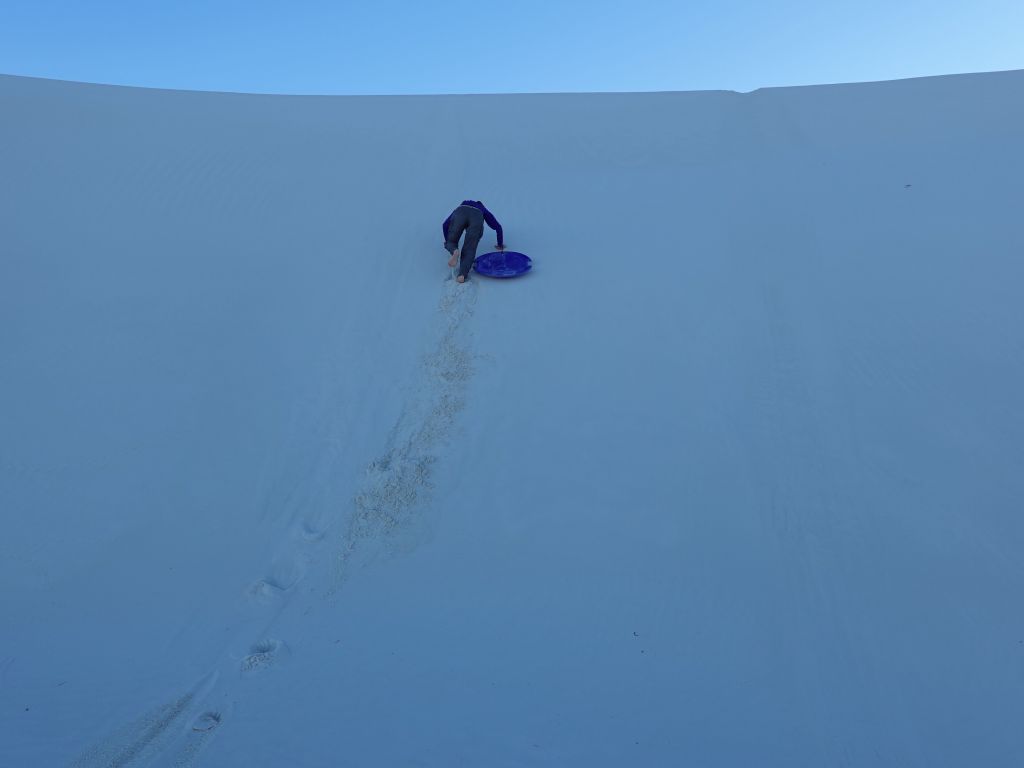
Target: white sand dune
[733, 478]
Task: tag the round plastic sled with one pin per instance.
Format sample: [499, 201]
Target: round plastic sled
[503, 264]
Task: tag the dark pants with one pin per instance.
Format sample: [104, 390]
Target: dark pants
[470, 220]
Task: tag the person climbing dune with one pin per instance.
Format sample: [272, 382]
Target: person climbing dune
[469, 217]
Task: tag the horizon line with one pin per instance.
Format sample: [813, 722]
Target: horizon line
[495, 93]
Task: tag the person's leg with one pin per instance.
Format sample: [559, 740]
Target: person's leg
[474, 232]
[456, 227]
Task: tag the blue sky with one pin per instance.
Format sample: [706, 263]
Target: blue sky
[402, 46]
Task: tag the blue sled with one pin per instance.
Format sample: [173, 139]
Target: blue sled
[503, 264]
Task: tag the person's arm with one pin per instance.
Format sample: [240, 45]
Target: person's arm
[493, 224]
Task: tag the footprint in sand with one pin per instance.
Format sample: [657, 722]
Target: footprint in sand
[263, 655]
[206, 722]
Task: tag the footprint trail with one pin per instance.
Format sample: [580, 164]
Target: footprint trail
[398, 482]
[395, 486]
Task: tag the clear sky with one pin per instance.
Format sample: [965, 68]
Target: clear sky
[405, 46]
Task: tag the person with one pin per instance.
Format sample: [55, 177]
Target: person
[469, 217]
